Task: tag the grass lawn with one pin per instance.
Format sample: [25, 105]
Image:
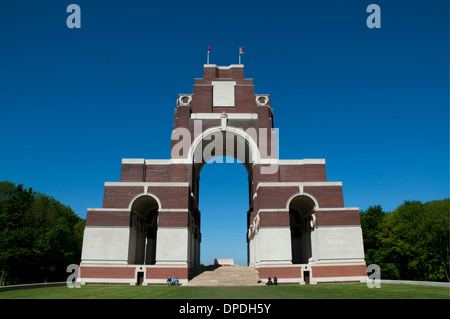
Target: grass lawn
[324, 291]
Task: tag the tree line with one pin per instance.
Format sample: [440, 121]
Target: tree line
[409, 243]
[39, 236]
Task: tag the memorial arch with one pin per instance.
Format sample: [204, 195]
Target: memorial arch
[149, 226]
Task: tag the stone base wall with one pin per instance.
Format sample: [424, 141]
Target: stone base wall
[129, 275]
[315, 274]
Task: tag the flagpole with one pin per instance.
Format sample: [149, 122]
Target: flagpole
[209, 50]
[241, 52]
[239, 55]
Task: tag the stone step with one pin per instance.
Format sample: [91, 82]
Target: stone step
[225, 276]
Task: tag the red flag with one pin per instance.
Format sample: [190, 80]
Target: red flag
[209, 48]
[241, 50]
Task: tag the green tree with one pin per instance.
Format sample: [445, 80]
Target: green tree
[414, 241]
[16, 244]
[371, 220]
[58, 236]
[434, 234]
[39, 236]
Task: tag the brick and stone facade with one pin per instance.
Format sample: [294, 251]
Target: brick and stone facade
[149, 227]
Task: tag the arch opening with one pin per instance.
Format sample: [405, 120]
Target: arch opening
[301, 210]
[144, 227]
[223, 207]
[215, 148]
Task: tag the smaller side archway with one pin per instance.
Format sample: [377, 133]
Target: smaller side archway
[144, 228]
[302, 222]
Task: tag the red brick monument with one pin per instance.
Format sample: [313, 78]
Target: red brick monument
[149, 227]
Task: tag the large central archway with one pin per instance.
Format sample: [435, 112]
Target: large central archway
[223, 205]
[218, 146]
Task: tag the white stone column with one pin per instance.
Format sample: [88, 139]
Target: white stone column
[106, 245]
[339, 244]
[314, 244]
[274, 246]
[251, 252]
[172, 246]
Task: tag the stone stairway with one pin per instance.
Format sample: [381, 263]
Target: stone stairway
[225, 276]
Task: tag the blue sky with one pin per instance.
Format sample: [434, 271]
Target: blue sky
[374, 103]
